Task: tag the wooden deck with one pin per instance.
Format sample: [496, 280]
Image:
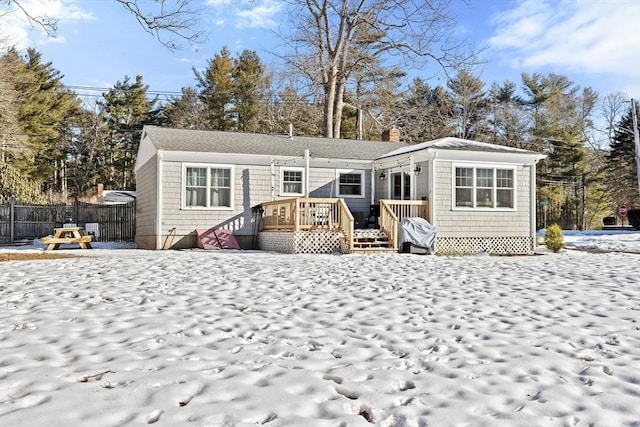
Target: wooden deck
[301, 214]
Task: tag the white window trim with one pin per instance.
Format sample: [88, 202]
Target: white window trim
[208, 166]
[294, 169]
[475, 166]
[362, 183]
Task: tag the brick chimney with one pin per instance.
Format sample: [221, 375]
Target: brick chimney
[391, 135]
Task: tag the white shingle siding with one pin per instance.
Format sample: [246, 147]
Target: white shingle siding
[479, 223]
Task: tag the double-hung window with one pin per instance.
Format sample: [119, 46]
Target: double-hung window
[292, 181]
[350, 183]
[484, 187]
[207, 186]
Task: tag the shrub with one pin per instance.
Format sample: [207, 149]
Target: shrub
[553, 238]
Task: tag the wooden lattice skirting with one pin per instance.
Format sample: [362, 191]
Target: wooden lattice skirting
[516, 245]
[303, 242]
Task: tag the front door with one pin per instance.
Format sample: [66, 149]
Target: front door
[400, 186]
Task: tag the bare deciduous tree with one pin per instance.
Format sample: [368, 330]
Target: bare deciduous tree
[332, 38]
[167, 20]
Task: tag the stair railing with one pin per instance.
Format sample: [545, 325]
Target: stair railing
[346, 222]
[389, 223]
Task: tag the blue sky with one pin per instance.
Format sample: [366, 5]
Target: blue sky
[594, 42]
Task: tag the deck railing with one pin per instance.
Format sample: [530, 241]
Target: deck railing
[334, 214]
[409, 208]
[305, 214]
[394, 211]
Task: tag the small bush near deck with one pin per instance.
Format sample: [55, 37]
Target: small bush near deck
[553, 238]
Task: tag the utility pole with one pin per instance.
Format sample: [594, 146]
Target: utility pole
[636, 138]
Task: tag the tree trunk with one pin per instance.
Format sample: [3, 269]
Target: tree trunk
[337, 109]
[330, 96]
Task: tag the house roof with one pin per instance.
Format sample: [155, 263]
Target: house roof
[118, 196]
[187, 140]
[458, 144]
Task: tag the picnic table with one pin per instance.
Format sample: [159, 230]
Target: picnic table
[67, 235]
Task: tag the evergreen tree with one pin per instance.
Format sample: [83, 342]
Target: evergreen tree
[126, 109]
[509, 122]
[186, 111]
[46, 112]
[623, 178]
[560, 114]
[216, 90]
[248, 90]
[16, 186]
[12, 141]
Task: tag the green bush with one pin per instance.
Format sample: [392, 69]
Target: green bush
[553, 238]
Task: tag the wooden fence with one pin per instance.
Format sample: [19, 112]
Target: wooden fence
[107, 223]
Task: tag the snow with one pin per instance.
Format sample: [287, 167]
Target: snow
[131, 337]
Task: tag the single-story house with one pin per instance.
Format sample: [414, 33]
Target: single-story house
[308, 194]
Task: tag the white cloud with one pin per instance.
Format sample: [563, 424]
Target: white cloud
[217, 3]
[246, 13]
[260, 16]
[17, 30]
[587, 36]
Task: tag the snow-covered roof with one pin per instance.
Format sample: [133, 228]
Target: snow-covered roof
[118, 196]
[459, 144]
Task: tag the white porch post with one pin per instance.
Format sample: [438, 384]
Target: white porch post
[412, 179]
[373, 184]
[306, 173]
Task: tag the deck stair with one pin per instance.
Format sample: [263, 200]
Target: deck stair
[371, 241]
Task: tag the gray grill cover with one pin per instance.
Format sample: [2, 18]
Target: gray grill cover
[418, 232]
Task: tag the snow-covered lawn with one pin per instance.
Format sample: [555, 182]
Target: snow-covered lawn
[201, 338]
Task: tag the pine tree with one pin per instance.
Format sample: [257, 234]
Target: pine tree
[248, 90]
[508, 120]
[186, 111]
[46, 111]
[623, 178]
[216, 91]
[560, 113]
[16, 186]
[127, 109]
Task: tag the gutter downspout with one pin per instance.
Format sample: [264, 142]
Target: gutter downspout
[159, 200]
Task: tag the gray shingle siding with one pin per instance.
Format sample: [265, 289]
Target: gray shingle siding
[477, 223]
